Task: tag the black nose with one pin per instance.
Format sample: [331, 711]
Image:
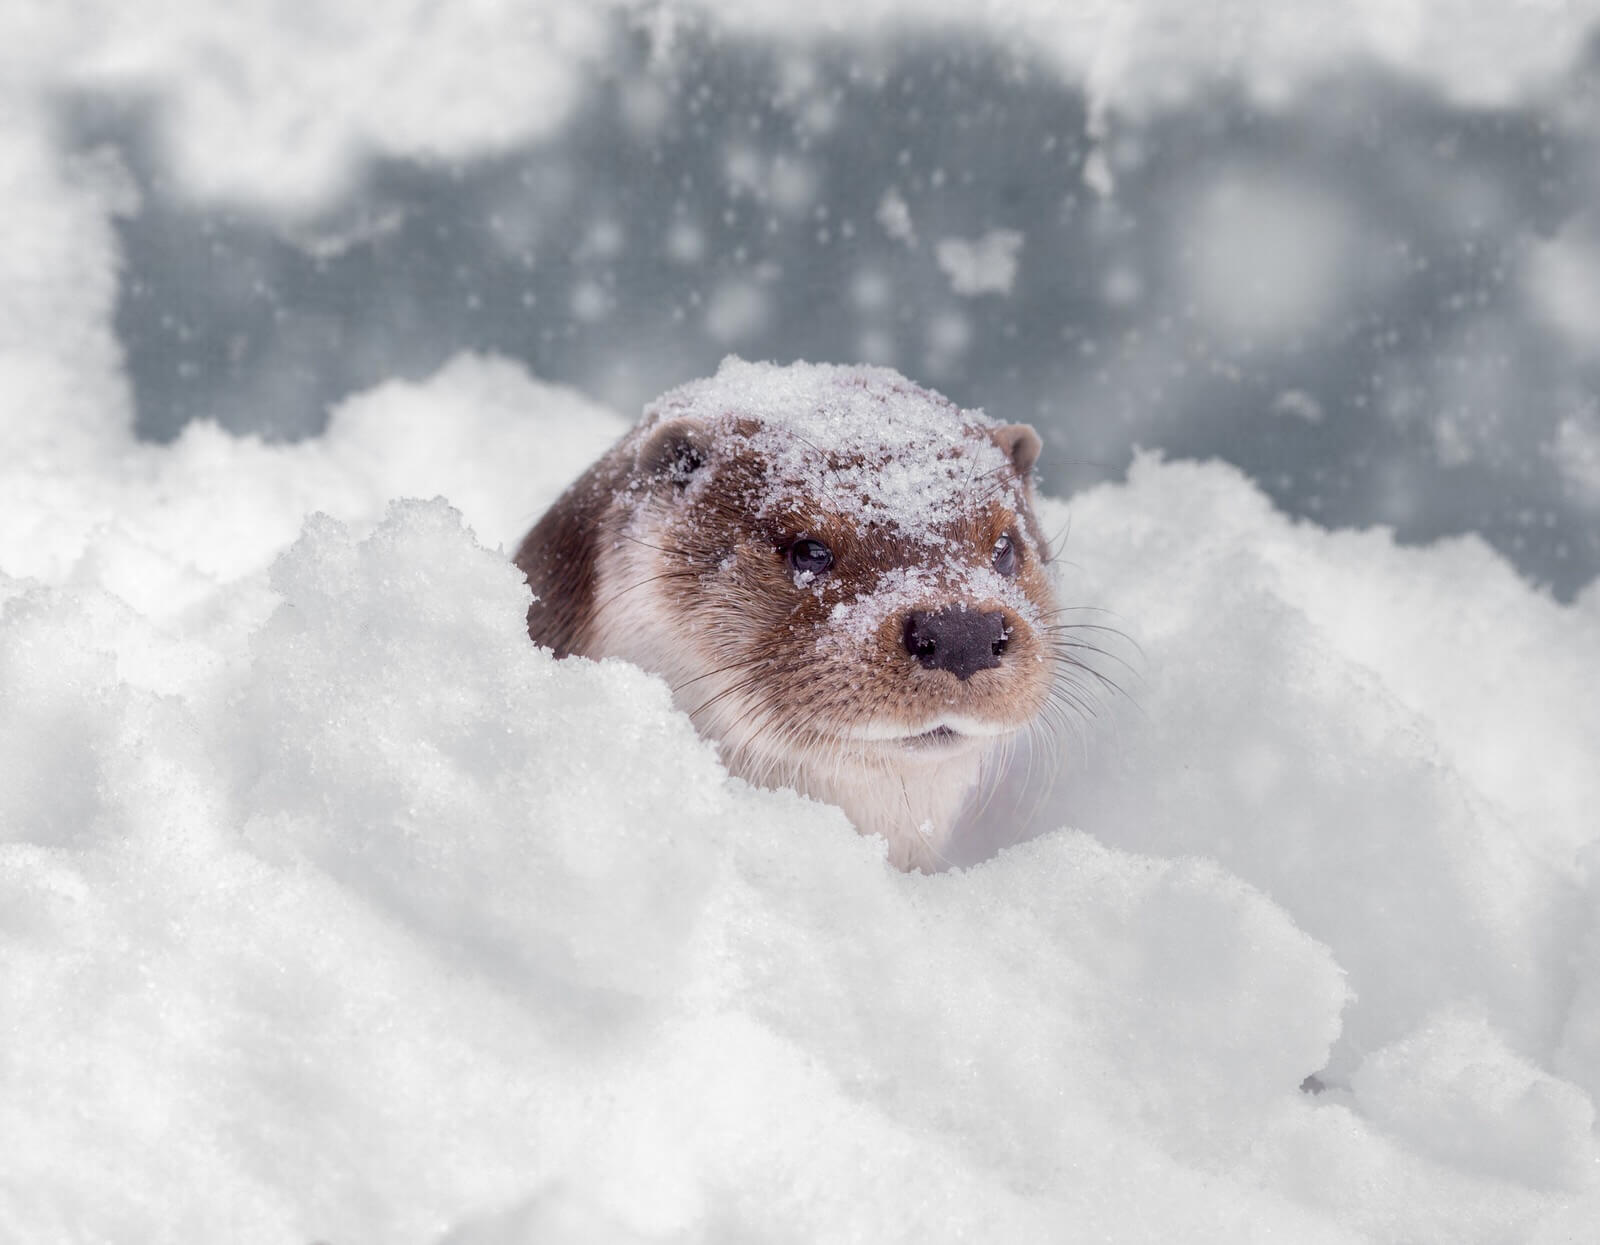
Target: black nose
[962, 641]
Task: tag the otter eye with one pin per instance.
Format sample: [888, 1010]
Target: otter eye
[809, 557]
[1005, 556]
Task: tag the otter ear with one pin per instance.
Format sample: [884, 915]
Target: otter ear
[674, 448]
[1021, 444]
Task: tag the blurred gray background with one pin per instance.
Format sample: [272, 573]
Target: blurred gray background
[1383, 307]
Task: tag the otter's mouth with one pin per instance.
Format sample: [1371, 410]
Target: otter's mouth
[939, 736]
[948, 731]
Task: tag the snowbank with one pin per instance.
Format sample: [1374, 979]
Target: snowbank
[335, 910]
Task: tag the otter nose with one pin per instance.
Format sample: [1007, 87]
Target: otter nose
[956, 639]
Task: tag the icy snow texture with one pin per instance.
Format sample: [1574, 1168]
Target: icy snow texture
[856, 621]
[879, 448]
[335, 910]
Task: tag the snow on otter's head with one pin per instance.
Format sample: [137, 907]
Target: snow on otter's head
[866, 442]
[840, 575]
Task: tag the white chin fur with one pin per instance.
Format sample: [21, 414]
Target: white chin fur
[968, 728]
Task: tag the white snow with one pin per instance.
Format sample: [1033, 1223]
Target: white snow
[982, 265]
[275, 108]
[1483, 52]
[879, 448]
[335, 910]
[860, 618]
[332, 909]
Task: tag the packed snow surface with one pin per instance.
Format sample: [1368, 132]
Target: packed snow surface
[333, 909]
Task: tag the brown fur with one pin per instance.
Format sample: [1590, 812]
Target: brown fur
[559, 557]
[671, 551]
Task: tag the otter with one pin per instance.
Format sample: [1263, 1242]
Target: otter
[838, 573]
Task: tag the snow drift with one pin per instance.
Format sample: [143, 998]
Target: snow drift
[334, 909]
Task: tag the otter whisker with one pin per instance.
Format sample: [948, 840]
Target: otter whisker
[685, 554]
[614, 597]
[1058, 542]
[1056, 628]
[742, 663]
[1064, 651]
[1077, 609]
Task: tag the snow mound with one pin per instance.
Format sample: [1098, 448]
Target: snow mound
[335, 910]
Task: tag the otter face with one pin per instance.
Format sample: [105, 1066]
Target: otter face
[849, 593]
[867, 642]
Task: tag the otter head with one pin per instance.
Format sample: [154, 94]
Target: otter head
[841, 577]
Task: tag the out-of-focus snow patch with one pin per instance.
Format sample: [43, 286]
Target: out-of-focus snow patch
[590, 301]
[1561, 279]
[894, 215]
[872, 290]
[58, 271]
[686, 242]
[787, 182]
[738, 309]
[793, 185]
[277, 109]
[1298, 404]
[1266, 259]
[947, 336]
[1144, 51]
[1576, 452]
[984, 265]
[1122, 286]
[645, 106]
